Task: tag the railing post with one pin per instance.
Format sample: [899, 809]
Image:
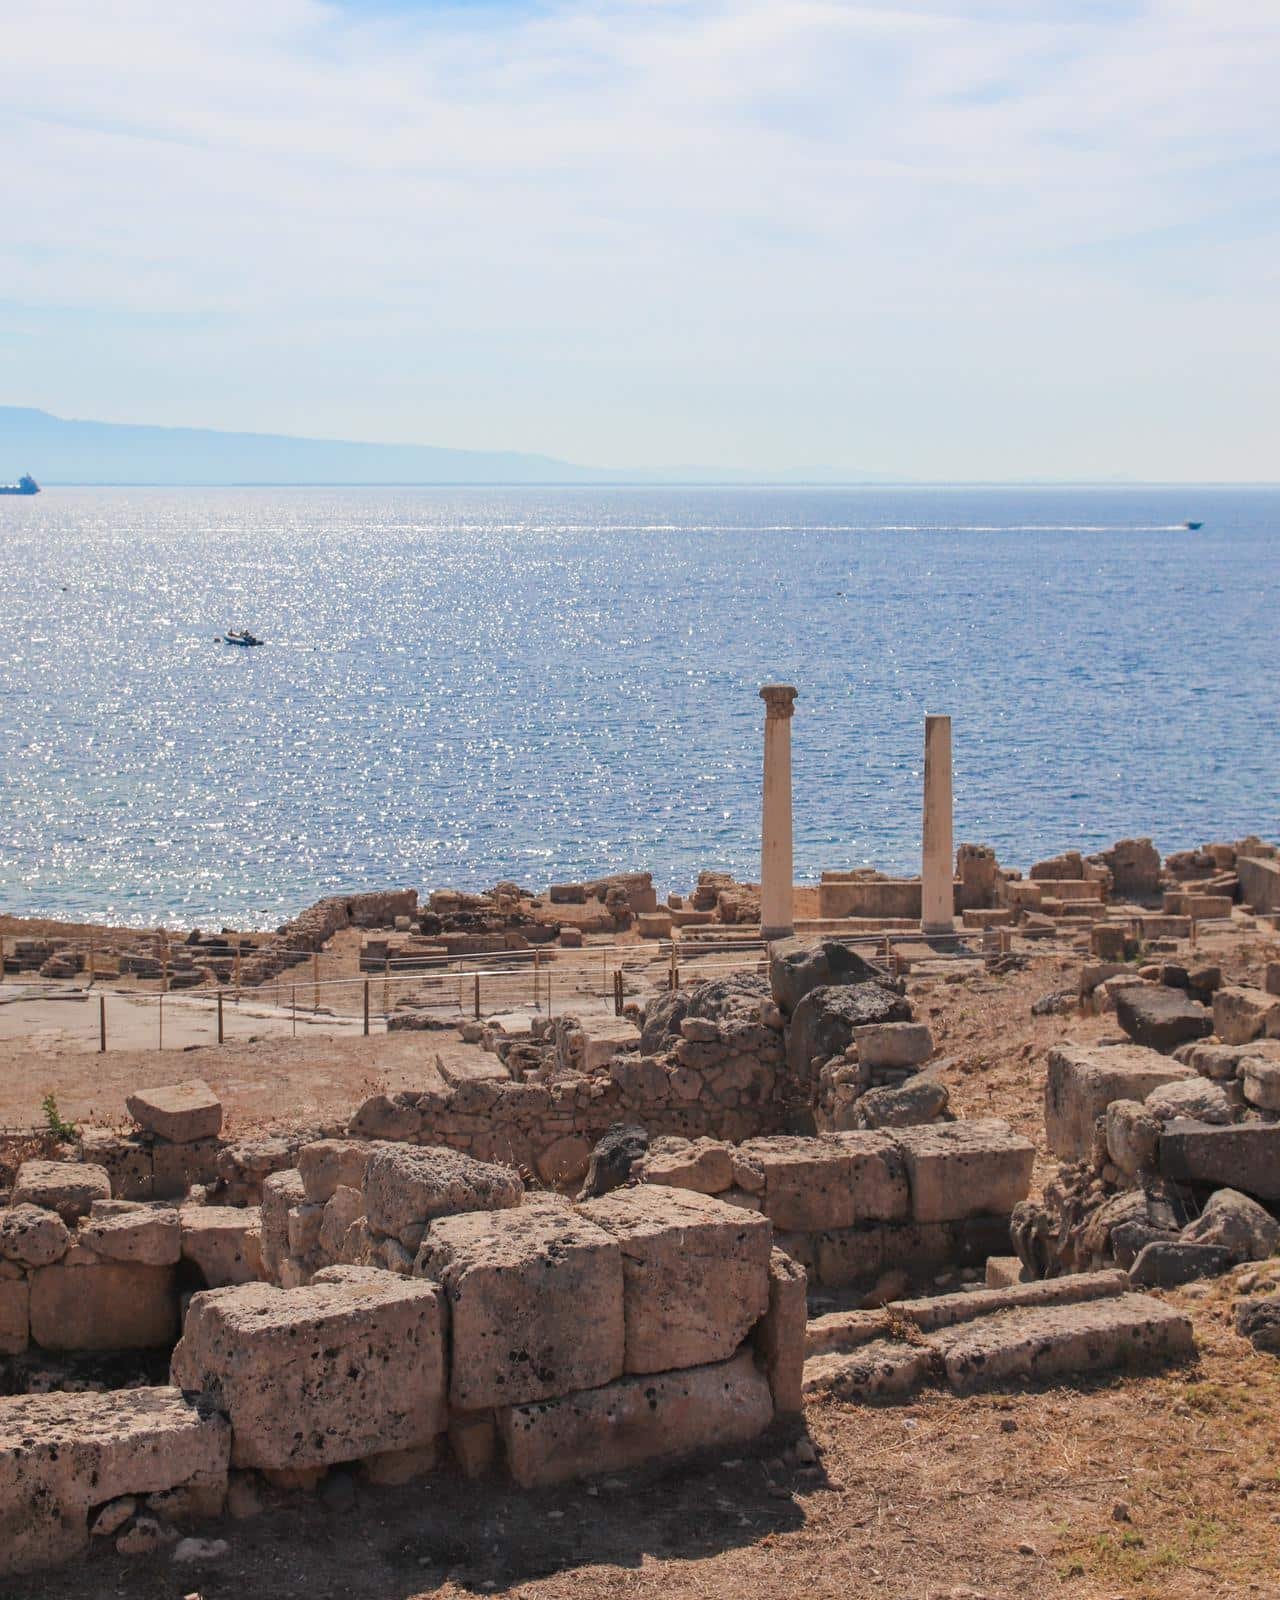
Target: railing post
[315, 976]
[161, 1009]
[366, 1008]
[102, 1024]
[386, 986]
[219, 1016]
[91, 964]
[237, 975]
[477, 997]
[535, 980]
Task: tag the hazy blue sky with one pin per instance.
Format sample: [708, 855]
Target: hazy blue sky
[955, 239]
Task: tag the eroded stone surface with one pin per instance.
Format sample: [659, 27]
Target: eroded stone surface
[32, 1236]
[535, 1299]
[348, 1367]
[695, 1273]
[67, 1187]
[148, 1235]
[224, 1242]
[406, 1187]
[965, 1169]
[108, 1305]
[834, 1182]
[179, 1112]
[1083, 1080]
[635, 1420]
[62, 1454]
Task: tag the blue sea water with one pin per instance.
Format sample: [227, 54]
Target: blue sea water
[465, 685]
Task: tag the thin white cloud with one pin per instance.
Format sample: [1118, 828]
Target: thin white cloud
[790, 230]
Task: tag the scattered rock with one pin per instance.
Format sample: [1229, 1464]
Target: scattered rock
[1246, 1230]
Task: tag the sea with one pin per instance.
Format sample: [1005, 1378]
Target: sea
[460, 686]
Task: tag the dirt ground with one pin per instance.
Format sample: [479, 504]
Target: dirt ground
[1147, 1487]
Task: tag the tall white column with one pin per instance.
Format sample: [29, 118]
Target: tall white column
[937, 889]
[777, 914]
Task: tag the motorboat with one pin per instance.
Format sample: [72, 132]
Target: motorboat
[242, 636]
[1193, 527]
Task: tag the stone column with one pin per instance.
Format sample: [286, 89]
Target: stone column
[777, 915]
[937, 893]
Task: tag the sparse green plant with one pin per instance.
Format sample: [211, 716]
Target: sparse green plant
[63, 1132]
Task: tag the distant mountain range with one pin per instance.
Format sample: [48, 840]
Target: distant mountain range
[56, 450]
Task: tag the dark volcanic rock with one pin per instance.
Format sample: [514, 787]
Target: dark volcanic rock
[1161, 1018]
[796, 967]
[824, 1020]
[1165, 1263]
[1258, 1318]
[619, 1148]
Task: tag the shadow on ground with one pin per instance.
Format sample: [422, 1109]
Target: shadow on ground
[355, 1542]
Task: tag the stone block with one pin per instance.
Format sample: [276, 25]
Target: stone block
[407, 1187]
[826, 1019]
[1244, 1157]
[281, 1193]
[107, 1305]
[964, 1169]
[1166, 1263]
[780, 1334]
[1043, 1342]
[145, 1233]
[61, 1455]
[536, 1301]
[15, 1313]
[1107, 941]
[346, 1368]
[176, 1167]
[636, 1420]
[1082, 1082]
[32, 1236]
[1133, 1136]
[832, 1182]
[1161, 1018]
[327, 1164]
[893, 1044]
[1246, 1230]
[695, 1273]
[1261, 1080]
[1195, 1099]
[179, 1112]
[705, 1165]
[126, 1159]
[798, 965]
[67, 1187]
[921, 1099]
[223, 1242]
[1241, 1014]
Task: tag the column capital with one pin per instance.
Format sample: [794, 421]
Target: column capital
[779, 699]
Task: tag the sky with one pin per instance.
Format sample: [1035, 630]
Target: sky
[968, 239]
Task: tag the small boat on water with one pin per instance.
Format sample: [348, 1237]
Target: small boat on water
[241, 636]
[1193, 527]
[25, 485]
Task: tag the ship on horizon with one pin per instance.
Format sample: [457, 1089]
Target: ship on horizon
[26, 484]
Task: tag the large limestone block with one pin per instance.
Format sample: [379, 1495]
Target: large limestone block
[894, 1044]
[106, 1305]
[329, 1164]
[62, 1454]
[406, 1187]
[702, 1164]
[15, 1310]
[282, 1192]
[179, 1112]
[1244, 1157]
[965, 1169]
[1261, 1081]
[1043, 1342]
[635, 1420]
[1161, 1018]
[1083, 1080]
[535, 1299]
[67, 1187]
[342, 1369]
[833, 1182]
[148, 1234]
[1241, 1014]
[223, 1242]
[32, 1236]
[695, 1274]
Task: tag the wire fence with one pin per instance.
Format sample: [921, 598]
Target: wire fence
[393, 990]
